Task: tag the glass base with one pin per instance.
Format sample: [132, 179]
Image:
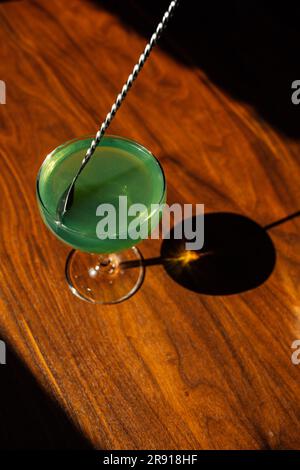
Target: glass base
[105, 278]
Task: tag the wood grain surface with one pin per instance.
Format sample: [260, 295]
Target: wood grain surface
[192, 361]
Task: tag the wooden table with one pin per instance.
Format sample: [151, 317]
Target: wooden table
[182, 364]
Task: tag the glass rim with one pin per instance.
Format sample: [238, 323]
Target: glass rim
[69, 142]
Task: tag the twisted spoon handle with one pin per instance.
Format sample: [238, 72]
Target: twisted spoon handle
[132, 77]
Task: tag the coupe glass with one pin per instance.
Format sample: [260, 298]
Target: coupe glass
[97, 267]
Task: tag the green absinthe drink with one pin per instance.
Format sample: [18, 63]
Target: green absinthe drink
[101, 269]
[104, 266]
[119, 167]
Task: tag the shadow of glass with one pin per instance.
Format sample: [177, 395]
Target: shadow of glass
[238, 255]
[247, 48]
[29, 418]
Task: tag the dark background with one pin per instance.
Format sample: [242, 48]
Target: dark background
[248, 48]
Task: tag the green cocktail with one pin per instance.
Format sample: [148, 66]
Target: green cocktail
[119, 167]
